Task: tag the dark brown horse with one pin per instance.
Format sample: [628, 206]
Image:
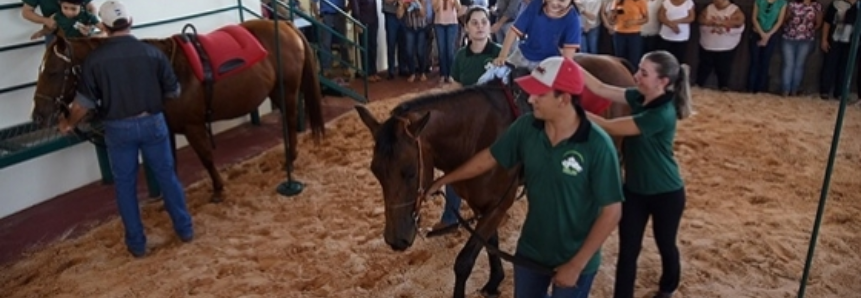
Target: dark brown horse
[443, 131]
[232, 96]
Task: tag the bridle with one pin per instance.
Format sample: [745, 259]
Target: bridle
[420, 191]
[71, 71]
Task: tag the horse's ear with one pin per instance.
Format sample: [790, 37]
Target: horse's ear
[417, 126]
[368, 119]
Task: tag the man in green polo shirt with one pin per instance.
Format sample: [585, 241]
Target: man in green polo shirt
[48, 8]
[573, 182]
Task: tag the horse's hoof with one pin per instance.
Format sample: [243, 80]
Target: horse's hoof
[488, 294]
[216, 198]
[442, 231]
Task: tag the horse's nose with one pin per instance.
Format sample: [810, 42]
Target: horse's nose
[400, 244]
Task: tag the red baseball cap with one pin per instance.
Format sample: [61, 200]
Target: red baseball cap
[554, 73]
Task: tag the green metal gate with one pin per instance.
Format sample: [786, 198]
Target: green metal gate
[26, 141]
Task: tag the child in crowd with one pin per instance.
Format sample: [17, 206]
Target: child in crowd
[72, 21]
[547, 26]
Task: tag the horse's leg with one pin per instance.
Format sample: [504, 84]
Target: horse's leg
[463, 265]
[491, 288]
[289, 113]
[487, 229]
[198, 140]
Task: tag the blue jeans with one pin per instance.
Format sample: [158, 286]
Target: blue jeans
[339, 24]
[503, 30]
[149, 135]
[628, 46]
[760, 58]
[452, 205]
[393, 27]
[531, 284]
[590, 41]
[794, 56]
[417, 49]
[372, 48]
[446, 36]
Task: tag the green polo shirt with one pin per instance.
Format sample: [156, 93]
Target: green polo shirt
[467, 66]
[650, 167]
[68, 25]
[50, 7]
[567, 186]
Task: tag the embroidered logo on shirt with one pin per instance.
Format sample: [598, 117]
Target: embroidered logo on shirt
[571, 163]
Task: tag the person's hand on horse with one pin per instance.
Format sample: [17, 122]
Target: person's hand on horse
[567, 275]
[64, 126]
[434, 189]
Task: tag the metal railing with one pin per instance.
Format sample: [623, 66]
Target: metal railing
[360, 48]
[26, 141]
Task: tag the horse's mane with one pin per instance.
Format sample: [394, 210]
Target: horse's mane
[163, 44]
[434, 100]
[386, 137]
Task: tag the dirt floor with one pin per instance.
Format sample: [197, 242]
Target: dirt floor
[753, 165]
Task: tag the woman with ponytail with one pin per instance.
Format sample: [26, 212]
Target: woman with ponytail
[653, 185]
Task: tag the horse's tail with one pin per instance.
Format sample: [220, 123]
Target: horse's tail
[311, 90]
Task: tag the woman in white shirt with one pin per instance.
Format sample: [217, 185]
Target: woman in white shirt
[721, 27]
[676, 17]
[590, 22]
[652, 27]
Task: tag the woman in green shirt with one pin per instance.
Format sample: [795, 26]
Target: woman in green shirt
[470, 60]
[467, 67]
[653, 185]
[767, 18]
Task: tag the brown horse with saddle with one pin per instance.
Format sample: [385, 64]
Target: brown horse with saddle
[224, 74]
[442, 131]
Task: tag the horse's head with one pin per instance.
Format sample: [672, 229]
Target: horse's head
[403, 170]
[57, 81]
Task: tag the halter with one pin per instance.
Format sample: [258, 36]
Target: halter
[417, 202]
[71, 70]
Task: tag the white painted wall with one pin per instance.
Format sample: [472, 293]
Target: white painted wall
[32, 182]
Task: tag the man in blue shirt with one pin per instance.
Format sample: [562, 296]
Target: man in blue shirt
[126, 81]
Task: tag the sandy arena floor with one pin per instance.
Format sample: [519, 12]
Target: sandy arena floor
[752, 199]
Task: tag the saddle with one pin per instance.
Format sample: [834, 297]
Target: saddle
[220, 53]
